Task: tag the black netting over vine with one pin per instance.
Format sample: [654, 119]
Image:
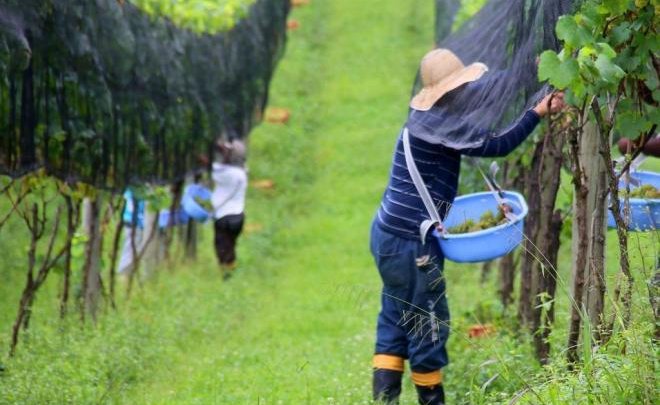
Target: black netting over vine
[507, 36]
[98, 91]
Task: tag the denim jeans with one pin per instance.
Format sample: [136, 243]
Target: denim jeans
[413, 322]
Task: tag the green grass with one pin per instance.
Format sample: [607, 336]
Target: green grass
[296, 325]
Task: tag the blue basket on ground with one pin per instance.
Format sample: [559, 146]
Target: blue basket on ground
[165, 217]
[191, 207]
[644, 212]
[483, 245]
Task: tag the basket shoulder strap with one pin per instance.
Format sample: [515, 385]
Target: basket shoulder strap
[421, 188]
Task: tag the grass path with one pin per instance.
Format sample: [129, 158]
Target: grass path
[299, 325]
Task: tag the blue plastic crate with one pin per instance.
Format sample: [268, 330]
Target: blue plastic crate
[487, 244]
[644, 213]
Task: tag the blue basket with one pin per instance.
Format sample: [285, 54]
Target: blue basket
[191, 207]
[644, 213]
[483, 245]
[164, 217]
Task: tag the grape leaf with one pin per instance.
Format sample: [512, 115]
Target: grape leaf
[630, 124]
[559, 73]
[609, 71]
[571, 33]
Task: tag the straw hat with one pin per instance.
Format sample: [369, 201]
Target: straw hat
[442, 71]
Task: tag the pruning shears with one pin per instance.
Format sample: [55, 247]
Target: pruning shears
[497, 190]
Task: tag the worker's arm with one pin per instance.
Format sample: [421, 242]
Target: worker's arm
[502, 143]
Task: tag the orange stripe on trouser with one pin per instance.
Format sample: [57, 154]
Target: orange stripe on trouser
[427, 379]
[388, 362]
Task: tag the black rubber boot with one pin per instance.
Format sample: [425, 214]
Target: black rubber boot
[434, 395]
[387, 386]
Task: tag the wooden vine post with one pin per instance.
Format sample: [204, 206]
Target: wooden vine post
[73, 220]
[549, 224]
[509, 263]
[530, 253]
[91, 284]
[588, 254]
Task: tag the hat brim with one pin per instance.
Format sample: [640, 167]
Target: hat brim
[429, 95]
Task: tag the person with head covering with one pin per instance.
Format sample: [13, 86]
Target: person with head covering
[228, 200]
[444, 123]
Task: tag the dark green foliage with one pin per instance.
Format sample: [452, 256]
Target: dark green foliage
[105, 93]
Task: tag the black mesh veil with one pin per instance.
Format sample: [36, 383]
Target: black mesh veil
[507, 36]
[101, 92]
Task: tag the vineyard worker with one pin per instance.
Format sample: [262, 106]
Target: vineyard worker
[228, 201]
[413, 322]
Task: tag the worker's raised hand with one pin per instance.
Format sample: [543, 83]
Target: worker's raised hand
[551, 104]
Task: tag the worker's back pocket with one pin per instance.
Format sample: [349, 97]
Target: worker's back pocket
[394, 257]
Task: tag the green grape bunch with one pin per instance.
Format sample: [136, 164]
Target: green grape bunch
[486, 221]
[646, 191]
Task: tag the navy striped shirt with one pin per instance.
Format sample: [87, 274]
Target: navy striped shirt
[402, 211]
